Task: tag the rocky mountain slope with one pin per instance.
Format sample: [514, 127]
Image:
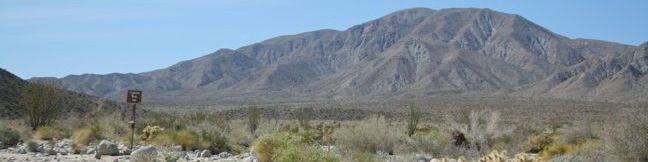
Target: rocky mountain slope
[10, 95]
[409, 54]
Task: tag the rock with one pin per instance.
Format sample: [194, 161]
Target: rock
[106, 148]
[2, 145]
[224, 155]
[124, 149]
[249, 159]
[205, 153]
[91, 150]
[144, 154]
[422, 158]
[21, 150]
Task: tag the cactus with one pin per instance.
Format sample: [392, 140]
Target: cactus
[523, 157]
[494, 156]
[149, 132]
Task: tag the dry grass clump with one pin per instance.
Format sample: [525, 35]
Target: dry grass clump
[51, 133]
[84, 136]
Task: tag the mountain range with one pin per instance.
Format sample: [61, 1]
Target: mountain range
[409, 54]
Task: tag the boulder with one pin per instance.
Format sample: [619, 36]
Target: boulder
[205, 153]
[144, 154]
[106, 148]
[224, 155]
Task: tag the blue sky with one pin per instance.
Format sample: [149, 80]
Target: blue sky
[58, 38]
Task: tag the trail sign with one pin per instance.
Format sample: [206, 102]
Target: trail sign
[134, 96]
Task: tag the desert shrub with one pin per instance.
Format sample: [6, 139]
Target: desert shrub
[304, 153]
[238, 135]
[267, 146]
[556, 149]
[482, 131]
[370, 135]
[304, 116]
[9, 137]
[363, 157]
[42, 104]
[214, 141]
[189, 140]
[413, 120]
[626, 138]
[32, 146]
[420, 144]
[253, 119]
[171, 155]
[537, 143]
[288, 147]
[50, 133]
[162, 119]
[84, 136]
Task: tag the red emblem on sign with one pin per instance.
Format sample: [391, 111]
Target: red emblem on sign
[134, 96]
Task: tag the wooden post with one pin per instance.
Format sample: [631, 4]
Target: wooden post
[132, 125]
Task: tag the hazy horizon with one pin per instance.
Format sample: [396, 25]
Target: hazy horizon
[55, 39]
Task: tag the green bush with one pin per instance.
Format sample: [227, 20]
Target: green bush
[287, 147]
[9, 137]
[267, 146]
[304, 153]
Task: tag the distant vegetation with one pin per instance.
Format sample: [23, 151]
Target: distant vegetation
[303, 134]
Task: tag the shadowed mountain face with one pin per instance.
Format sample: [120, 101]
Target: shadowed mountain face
[409, 54]
[11, 88]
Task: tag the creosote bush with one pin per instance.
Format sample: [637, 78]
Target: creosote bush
[42, 104]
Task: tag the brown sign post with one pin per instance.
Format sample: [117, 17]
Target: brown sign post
[134, 97]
